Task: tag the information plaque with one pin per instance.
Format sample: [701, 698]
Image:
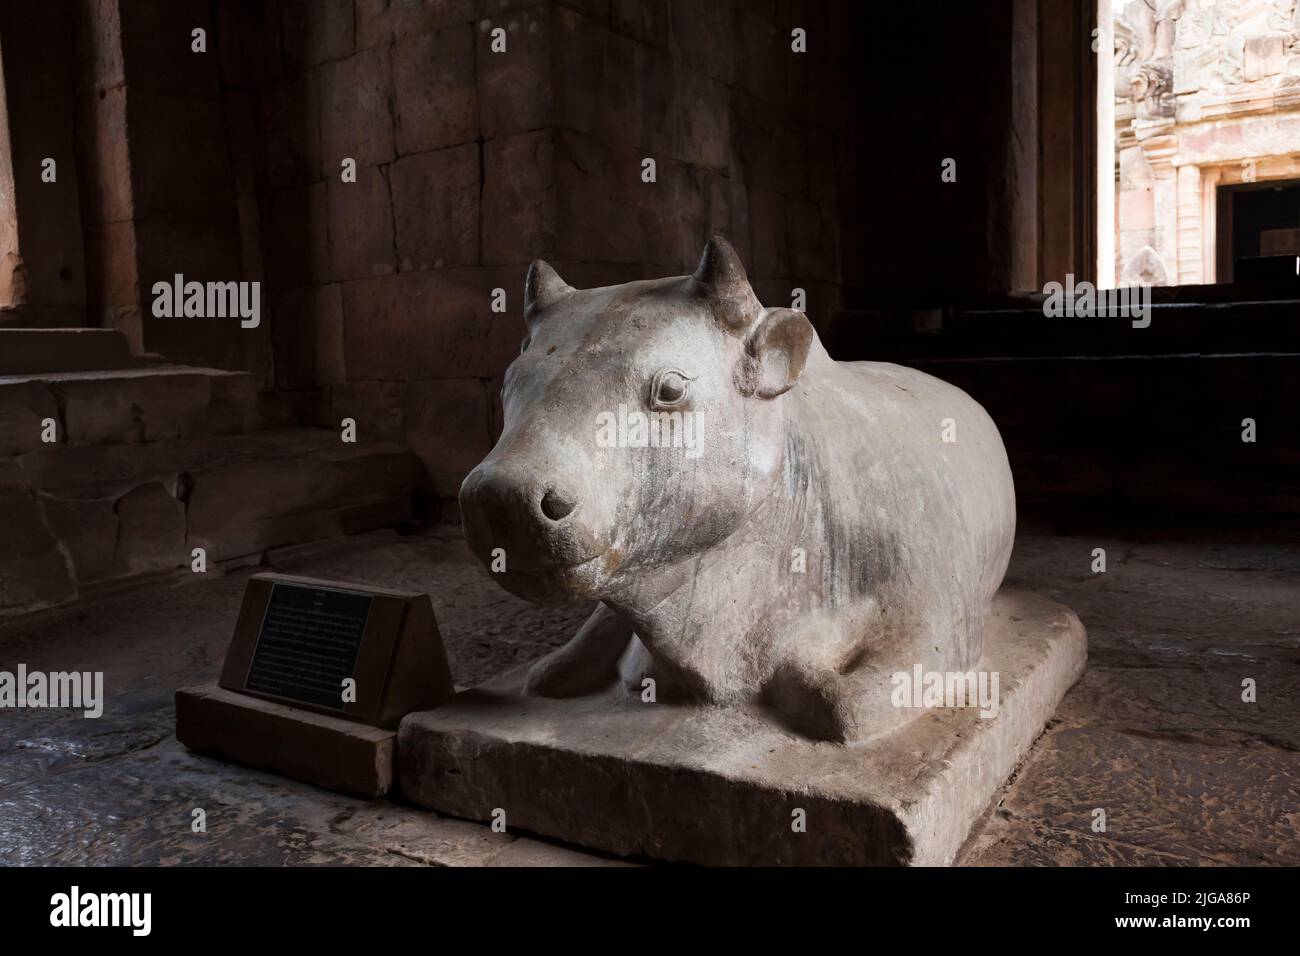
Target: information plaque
[316, 678]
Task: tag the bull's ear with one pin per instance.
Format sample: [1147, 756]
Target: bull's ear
[720, 277]
[775, 353]
[542, 287]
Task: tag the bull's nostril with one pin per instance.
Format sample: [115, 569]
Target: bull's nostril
[556, 506]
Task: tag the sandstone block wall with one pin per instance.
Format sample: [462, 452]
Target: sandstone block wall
[470, 163]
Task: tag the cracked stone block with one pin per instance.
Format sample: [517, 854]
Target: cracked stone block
[151, 531]
[1265, 56]
[511, 98]
[106, 408]
[245, 507]
[23, 406]
[437, 99]
[360, 226]
[87, 530]
[436, 208]
[356, 111]
[33, 568]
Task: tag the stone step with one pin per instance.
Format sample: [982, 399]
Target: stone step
[73, 517]
[34, 351]
[114, 406]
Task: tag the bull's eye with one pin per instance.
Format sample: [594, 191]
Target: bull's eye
[523, 346]
[670, 387]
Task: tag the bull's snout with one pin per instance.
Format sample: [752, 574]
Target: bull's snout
[537, 521]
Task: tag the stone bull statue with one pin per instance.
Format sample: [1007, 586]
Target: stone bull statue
[802, 530]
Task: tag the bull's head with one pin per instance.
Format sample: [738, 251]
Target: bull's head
[642, 422]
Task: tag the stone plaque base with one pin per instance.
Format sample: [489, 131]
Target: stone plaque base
[330, 752]
[723, 786]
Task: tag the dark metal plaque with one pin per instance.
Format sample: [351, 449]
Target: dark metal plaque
[308, 644]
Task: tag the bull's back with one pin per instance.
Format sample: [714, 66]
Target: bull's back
[929, 454]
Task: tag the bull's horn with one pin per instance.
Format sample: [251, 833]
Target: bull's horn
[542, 287]
[721, 278]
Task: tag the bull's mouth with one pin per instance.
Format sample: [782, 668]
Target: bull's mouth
[549, 566]
[549, 581]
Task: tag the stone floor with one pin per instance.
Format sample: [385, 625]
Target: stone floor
[1156, 734]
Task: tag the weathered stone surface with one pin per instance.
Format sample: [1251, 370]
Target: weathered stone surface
[33, 569]
[719, 786]
[703, 37]
[361, 226]
[112, 511]
[102, 132]
[356, 113]
[644, 20]
[600, 185]
[112, 280]
[701, 130]
[87, 530]
[147, 404]
[515, 92]
[436, 208]
[448, 425]
[435, 324]
[62, 350]
[99, 43]
[244, 507]
[103, 409]
[376, 407]
[1264, 56]
[233, 407]
[24, 405]
[382, 21]
[518, 210]
[150, 531]
[434, 80]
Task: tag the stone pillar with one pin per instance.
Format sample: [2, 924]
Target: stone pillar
[1160, 153]
[104, 171]
[44, 215]
[1190, 250]
[1210, 223]
[12, 274]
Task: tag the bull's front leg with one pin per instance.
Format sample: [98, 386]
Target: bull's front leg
[587, 663]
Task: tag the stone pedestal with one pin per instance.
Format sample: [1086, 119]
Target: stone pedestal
[328, 751]
[725, 786]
